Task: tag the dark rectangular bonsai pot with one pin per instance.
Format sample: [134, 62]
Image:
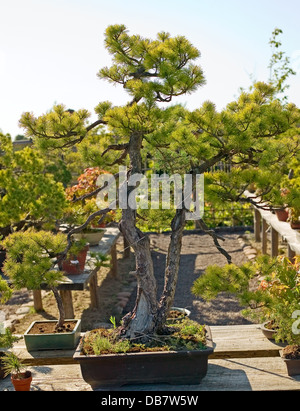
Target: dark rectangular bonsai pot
[54, 341]
[171, 367]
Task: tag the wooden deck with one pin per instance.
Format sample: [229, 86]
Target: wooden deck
[243, 360]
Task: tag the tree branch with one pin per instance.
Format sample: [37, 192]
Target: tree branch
[116, 147]
[95, 124]
[74, 230]
[92, 193]
[215, 238]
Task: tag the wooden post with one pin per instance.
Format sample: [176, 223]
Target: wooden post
[264, 237]
[37, 300]
[291, 254]
[274, 242]
[93, 291]
[66, 296]
[257, 221]
[114, 261]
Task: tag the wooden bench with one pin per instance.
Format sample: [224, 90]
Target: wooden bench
[264, 221]
[88, 278]
[243, 359]
[230, 341]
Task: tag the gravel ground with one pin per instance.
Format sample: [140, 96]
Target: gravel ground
[198, 251]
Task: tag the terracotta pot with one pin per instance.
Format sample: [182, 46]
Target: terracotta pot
[102, 225]
[282, 215]
[22, 384]
[170, 367]
[70, 267]
[75, 264]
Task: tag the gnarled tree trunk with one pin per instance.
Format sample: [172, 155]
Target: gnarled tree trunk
[141, 321]
[149, 315]
[172, 268]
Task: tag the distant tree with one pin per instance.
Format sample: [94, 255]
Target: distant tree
[20, 137]
[279, 65]
[30, 197]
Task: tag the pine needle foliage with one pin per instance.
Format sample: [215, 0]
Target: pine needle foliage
[268, 289]
[257, 134]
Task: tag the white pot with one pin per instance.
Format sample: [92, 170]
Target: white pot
[93, 237]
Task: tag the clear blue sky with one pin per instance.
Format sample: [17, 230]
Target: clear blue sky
[51, 50]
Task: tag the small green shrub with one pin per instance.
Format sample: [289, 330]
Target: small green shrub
[7, 339]
[102, 345]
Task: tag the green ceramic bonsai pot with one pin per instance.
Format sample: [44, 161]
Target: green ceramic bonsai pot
[41, 340]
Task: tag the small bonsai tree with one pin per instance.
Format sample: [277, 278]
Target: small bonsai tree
[13, 365]
[31, 260]
[6, 340]
[268, 289]
[255, 133]
[20, 377]
[5, 291]
[6, 337]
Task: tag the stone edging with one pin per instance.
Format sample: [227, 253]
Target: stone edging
[249, 251]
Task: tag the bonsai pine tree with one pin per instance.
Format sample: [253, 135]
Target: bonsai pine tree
[5, 291]
[249, 132]
[273, 296]
[31, 259]
[30, 197]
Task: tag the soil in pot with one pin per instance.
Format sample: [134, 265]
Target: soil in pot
[291, 352]
[186, 335]
[42, 335]
[50, 328]
[177, 314]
